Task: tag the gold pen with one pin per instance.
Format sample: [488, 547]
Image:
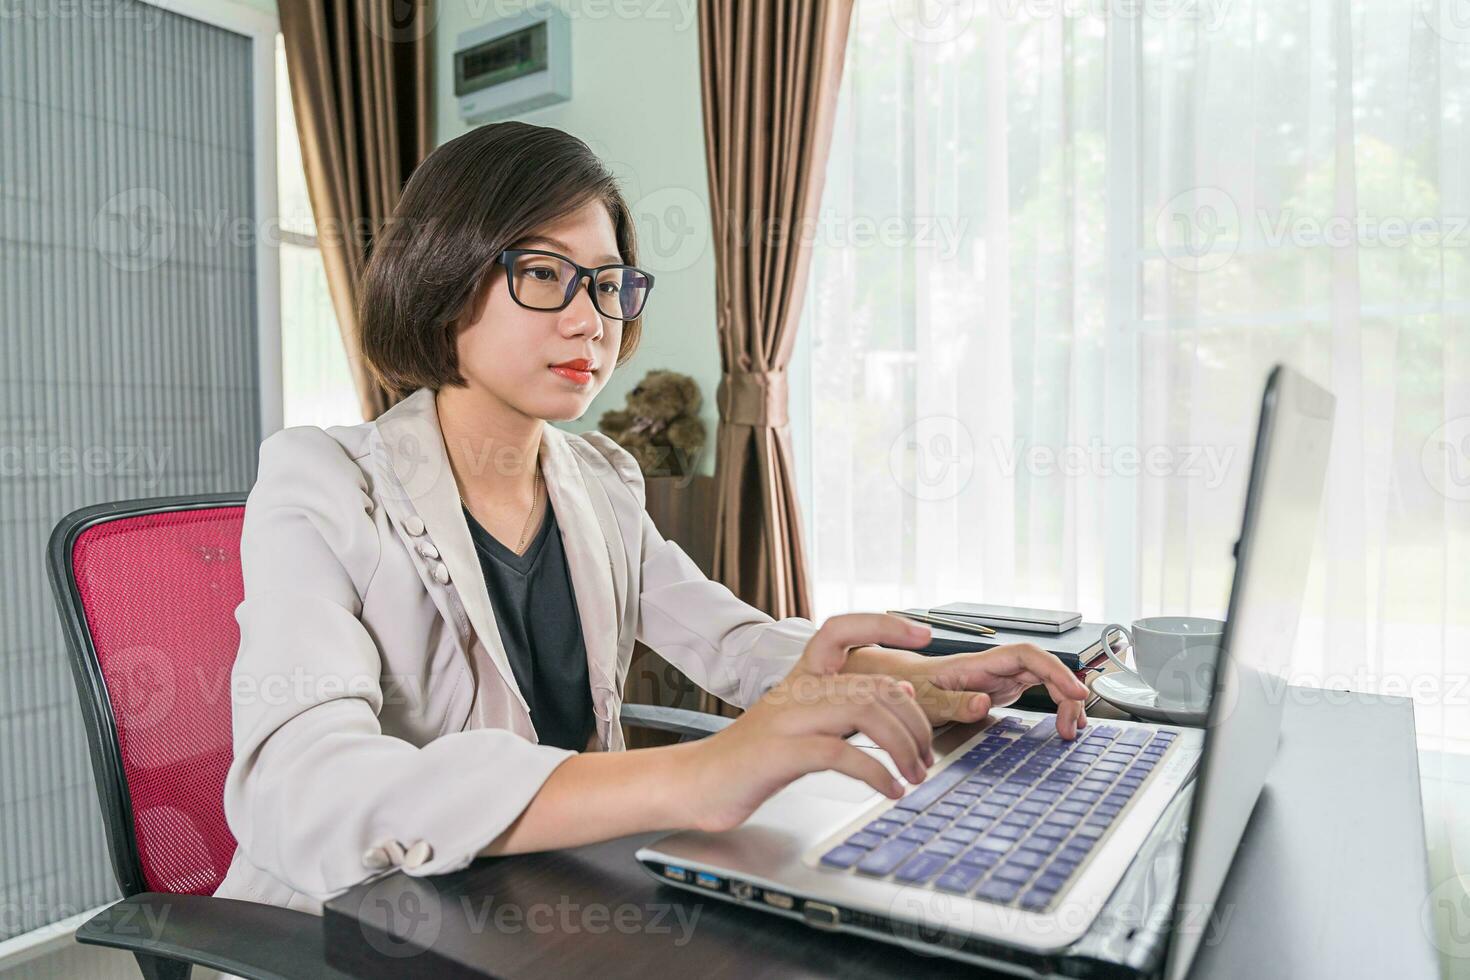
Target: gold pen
[953, 624]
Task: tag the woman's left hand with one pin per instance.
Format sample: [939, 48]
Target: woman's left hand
[963, 687]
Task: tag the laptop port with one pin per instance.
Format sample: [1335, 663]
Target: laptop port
[820, 914]
[678, 874]
[742, 890]
[779, 901]
[706, 880]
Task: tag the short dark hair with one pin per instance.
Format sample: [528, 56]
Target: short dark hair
[431, 265]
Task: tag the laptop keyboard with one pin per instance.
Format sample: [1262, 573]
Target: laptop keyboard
[1010, 820]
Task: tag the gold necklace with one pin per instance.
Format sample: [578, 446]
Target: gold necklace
[535, 499]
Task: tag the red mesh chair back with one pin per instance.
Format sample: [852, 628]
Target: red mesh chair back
[147, 591]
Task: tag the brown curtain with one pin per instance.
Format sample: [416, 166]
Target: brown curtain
[770, 72]
[360, 88]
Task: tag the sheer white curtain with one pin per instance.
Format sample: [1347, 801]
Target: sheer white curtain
[1062, 244]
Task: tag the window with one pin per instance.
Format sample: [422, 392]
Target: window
[316, 383]
[1061, 246]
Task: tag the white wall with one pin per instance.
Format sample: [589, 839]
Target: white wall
[636, 102]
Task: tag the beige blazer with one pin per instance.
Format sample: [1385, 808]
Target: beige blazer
[377, 723]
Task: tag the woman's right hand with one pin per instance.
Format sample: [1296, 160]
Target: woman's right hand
[801, 725]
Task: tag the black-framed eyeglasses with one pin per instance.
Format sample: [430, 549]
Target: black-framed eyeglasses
[541, 280]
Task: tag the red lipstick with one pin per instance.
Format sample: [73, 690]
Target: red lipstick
[578, 370]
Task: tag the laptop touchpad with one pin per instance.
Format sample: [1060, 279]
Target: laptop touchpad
[840, 786]
[832, 786]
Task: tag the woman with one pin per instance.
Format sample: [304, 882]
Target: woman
[440, 605]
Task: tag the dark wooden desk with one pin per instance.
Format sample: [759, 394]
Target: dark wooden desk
[1328, 882]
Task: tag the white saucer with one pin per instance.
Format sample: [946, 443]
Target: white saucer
[1128, 693]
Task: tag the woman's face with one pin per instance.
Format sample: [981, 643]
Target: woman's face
[513, 352]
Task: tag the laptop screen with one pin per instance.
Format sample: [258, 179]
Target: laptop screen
[1283, 500]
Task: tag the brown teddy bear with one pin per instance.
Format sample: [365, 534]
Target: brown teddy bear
[660, 425]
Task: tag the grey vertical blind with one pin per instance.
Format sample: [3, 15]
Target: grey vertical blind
[128, 354]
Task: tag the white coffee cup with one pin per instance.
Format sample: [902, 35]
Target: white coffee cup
[1174, 655]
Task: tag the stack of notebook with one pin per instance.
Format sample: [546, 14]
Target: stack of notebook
[1078, 647]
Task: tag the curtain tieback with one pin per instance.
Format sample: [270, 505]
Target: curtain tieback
[755, 398]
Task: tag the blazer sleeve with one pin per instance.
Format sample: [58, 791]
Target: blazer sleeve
[726, 646]
[315, 783]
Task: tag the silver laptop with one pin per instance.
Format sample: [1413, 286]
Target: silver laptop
[1028, 853]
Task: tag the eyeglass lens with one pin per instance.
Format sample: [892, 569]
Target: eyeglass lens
[545, 282]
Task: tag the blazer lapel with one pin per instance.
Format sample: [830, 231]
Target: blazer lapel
[414, 448]
[589, 560]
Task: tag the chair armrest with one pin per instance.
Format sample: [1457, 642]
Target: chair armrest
[680, 721]
[248, 939]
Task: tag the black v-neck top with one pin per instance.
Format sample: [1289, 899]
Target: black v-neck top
[536, 610]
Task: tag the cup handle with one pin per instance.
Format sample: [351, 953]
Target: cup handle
[1108, 647]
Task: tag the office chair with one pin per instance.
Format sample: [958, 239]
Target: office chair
[146, 591]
